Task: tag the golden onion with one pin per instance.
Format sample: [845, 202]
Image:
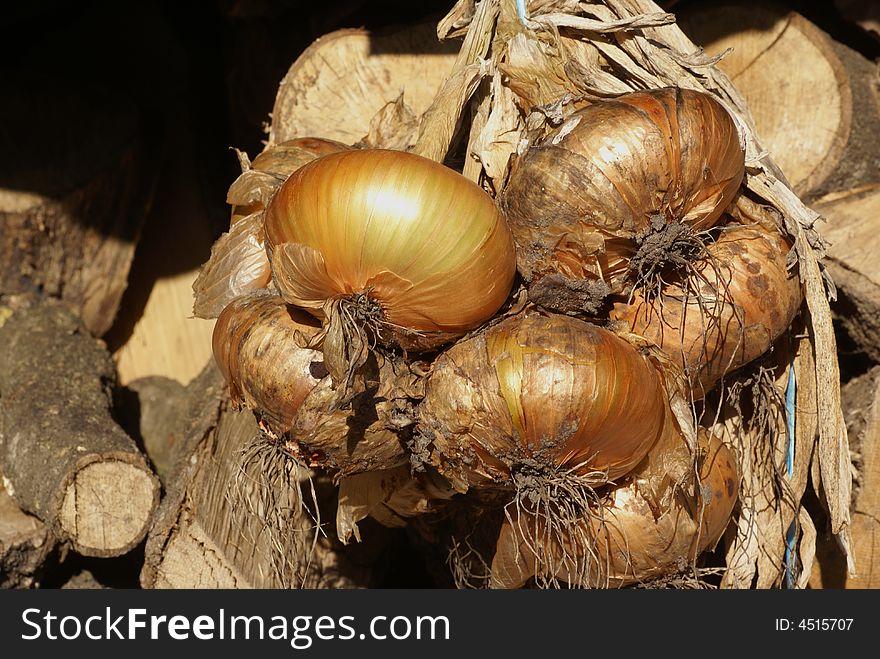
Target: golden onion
[736, 301]
[579, 202]
[393, 240]
[542, 393]
[256, 345]
[652, 524]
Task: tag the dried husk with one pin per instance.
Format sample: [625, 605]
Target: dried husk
[486, 414]
[614, 171]
[368, 434]
[238, 263]
[729, 308]
[390, 496]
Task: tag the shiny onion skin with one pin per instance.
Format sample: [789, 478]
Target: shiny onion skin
[650, 525]
[739, 300]
[544, 390]
[255, 346]
[614, 170]
[419, 240]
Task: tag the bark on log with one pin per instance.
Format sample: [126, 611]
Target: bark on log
[25, 543]
[72, 197]
[64, 457]
[233, 522]
[814, 100]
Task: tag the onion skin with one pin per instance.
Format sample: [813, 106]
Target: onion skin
[255, 346]
[426, 244]
[238, 263]
[577, 201]
[651, 526]
[545, 389]
[741, 299]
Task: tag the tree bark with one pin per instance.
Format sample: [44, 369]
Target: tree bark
[64, 457]
[25, 543]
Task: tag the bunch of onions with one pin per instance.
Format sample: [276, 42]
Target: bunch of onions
[239, 263]
[541, 397]
[735, 302]
[652, 524]
[381, 246]
[581, 202]
[258, 344]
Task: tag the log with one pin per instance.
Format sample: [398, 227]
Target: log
[335, 88]
[233, 522]
[156, 334]
[854, 241]
[25, 544]
[819, 118]
[72, 196]
[64, 457]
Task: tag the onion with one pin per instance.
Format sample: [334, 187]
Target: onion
[651, 525]
[616, 171]
[387, 246]
[735, 303]
[255, 344]
[537, 397]
[258, 343]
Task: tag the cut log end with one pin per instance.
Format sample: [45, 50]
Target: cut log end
[106, 508]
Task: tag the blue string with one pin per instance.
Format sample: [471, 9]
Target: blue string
[790, 390]
[521, 10]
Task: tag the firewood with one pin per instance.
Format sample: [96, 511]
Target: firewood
[814, 100]
[64, 457]
[25, 543]
[338, 84]
[72, 197]
[237, 514]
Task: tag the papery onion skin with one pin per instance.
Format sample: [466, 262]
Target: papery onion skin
[255, 344]
[419, 239]
[640, 533]
[576, 202]
[742, 298]
[238, 263]
[544, 389]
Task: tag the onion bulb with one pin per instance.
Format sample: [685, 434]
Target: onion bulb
[258, 345]
[737, 300]
[387, 246]
[255, 344]
[541, 394]
[580, 202]
[650, 525]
